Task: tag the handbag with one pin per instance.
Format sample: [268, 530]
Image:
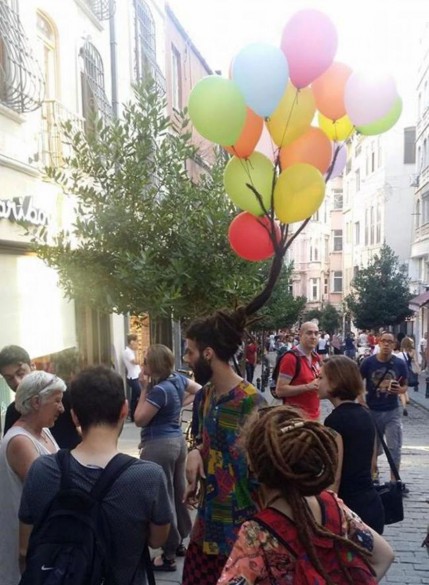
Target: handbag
[390, 492]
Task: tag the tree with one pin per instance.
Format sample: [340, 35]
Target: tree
[380, 295]
[330, 319]
[145, 238]
[282, 309]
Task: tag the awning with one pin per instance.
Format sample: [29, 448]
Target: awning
[419, 301]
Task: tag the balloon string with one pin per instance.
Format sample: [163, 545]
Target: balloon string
[295, 102]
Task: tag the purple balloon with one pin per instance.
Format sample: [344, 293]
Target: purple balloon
[369, 98]
[340, 160]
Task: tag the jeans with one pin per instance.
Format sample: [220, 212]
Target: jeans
[250, 372]
[389, 424]
[134, 386]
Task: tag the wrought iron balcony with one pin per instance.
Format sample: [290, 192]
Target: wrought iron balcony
[21, 80]
[54, 145]
[102, 9]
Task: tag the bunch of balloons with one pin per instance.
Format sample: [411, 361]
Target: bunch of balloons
[264, 116]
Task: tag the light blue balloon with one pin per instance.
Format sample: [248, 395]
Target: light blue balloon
[261, 71]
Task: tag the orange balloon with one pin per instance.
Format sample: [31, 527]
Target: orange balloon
[249, 136]
[313, 148]
[328, 91]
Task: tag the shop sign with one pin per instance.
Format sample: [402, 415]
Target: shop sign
[21, 209]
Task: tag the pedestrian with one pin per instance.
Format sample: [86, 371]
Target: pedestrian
[322, 347]
[337, 343]
[304, 533]
[251, 353]
[385, 377]
[350, 346]
[38, 402]
[159, 413]
[136, 508]
[297, 382]
[216, 464]
[423, 349]
[133, 370]
[341, 383]
[15, 364]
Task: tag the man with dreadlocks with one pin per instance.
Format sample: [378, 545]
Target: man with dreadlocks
[304, 534]
[227, 493]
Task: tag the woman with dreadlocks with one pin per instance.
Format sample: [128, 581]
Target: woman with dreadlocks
[303, 534]
[216, 464]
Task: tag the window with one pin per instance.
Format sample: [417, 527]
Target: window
[410, 145]
[371, 226]
[145, 45]
[21, 80]
[325, 286]
[326, 249]
[366, 227]
[176, 78]
[314, 289]
[338, 198]
[357, 176]
[94, 99]
[357, 233]
[372, 160]
[316, 252]
[417, 214]
[48, 59]
[337, 281]
[316, 216]
[378, 224]
[311, 253]
[338, 240]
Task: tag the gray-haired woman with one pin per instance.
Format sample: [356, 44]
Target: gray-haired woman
[39, 401]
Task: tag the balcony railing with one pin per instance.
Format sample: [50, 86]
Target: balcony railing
[103, 9]
[55, 147]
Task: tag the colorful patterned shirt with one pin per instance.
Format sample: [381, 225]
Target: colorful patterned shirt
[227, 493]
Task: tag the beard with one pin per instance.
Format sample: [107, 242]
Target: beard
[202, 371]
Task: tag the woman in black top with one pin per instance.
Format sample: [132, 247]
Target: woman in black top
[341, 383]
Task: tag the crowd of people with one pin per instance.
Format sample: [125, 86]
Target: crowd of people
[277, 493]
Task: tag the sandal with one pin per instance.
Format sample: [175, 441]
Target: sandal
[181, 550]
[167, 565]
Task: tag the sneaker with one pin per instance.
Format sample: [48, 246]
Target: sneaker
[405, 490]
[181, 550]
[405, 412]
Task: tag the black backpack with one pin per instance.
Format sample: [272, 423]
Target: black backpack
[71, 543]
[280, 355]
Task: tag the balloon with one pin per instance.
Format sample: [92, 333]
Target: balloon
[368, 98]
[340, 156]
[339, 130]
[385, 123]
[261, 72]
[217, 109]
[249, 239]
[249, 136]
[313, 147]
[328, 90]
[257, 171]
[266, 145]
[292, 116]
[309, 42]
[298, 193]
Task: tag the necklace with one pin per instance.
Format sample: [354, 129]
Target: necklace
[41, 438]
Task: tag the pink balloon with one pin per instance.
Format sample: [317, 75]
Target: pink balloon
[340, 161]
[266, 145]
[368, 98]
[309, 42]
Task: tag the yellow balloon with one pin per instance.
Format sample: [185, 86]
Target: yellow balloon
[292, 116]
[339, 130]
[298, 193]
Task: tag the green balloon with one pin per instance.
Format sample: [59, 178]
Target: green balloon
[217, 109]
[257, 170]
[385, 123]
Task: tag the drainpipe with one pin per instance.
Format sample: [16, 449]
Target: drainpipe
[113, 60]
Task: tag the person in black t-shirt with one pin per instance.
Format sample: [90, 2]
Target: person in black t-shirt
[341, 383]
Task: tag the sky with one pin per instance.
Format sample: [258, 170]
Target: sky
[378, 35]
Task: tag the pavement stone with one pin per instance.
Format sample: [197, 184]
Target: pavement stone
[411, 566]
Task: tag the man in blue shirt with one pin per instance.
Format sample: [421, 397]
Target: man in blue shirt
[385, 377]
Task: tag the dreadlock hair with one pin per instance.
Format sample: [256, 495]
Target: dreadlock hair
[222, 331]
[299, 458]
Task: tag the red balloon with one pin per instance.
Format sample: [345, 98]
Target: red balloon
[249, 239]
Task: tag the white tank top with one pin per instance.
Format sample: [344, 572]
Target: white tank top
[10, 498]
